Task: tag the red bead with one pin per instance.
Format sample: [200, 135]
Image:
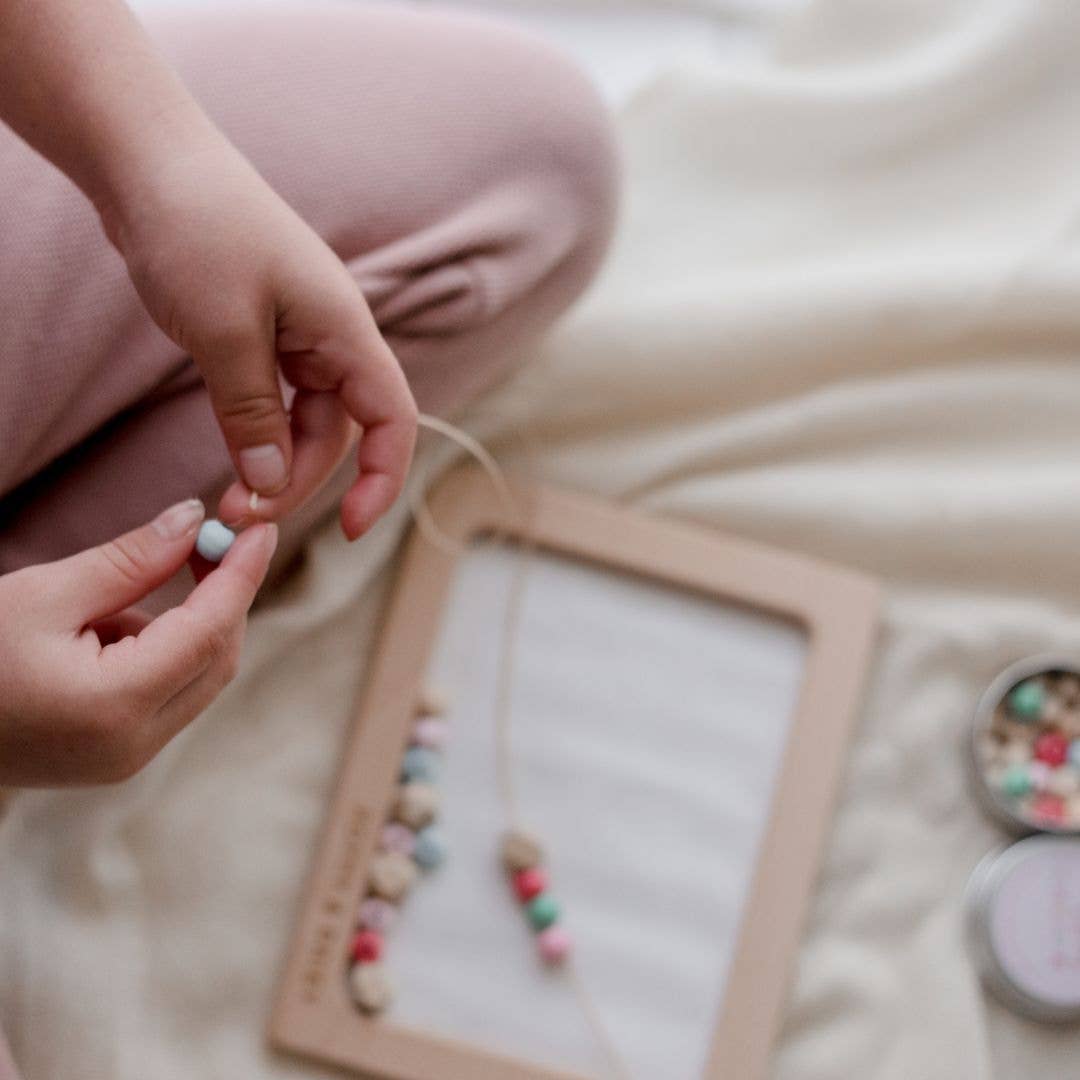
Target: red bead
[1048, 809]
[530, 883]
[1052, 747]
[367, 947]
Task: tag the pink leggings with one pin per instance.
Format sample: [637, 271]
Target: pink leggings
[463, 171]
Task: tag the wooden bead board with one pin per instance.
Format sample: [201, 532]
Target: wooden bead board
[759, 657]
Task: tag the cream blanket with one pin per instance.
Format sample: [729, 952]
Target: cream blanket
[842, 317]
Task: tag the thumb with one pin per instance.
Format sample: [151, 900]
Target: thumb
[104, 580]
[243, 384]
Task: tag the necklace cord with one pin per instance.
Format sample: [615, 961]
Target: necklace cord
[504, 677]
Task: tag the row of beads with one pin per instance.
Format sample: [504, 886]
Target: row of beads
[1032, 751]
[409, 842]
[523, 857]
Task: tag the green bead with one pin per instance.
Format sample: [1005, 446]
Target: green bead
[1016, 781]
[542, 910]
[1026, 699]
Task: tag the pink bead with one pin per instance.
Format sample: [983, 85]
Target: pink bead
[1039, 774]
[1052, 747]
[529, 883]
[553, 944]
[376, 914]
[429, 732]
[367, 947]
[397, 837]
[1048, 809]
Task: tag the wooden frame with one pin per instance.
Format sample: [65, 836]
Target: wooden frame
[837, 608]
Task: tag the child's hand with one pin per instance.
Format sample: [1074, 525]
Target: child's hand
[90, 687]
[236, 279]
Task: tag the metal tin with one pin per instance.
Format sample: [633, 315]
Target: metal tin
[996, 804]
[1023, 922]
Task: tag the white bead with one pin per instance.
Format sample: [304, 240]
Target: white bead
[391, 875]
[1016, 752]
[416, 804]
[370, 987]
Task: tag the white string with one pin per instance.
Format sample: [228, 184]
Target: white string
[425, 522]
[504, 678]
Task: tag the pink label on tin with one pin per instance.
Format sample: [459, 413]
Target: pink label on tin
[1035, 924]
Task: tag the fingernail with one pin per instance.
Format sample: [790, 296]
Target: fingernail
[263, 468]
[179, 520]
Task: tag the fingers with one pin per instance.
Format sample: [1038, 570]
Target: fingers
[178, 646]
[145, 688]
[128, 623]
[378, 398]
[321, 433]
[182, 708]
[106, 579]
[242, 378]
[353, 366]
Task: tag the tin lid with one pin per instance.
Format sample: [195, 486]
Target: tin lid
[1023, 911]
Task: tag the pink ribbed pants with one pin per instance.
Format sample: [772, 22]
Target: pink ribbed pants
[463, 171]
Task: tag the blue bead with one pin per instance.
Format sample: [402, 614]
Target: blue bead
[214, 540]
[430, 849]
[420, 763]
[1074, 753]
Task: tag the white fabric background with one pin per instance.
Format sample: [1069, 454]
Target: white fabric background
[841, 316]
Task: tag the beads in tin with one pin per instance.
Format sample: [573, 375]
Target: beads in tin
[1027, 748]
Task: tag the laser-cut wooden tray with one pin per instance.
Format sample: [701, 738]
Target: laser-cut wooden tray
[837, 608]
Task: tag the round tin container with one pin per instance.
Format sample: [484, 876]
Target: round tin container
[1002, 747]
[1023, 922]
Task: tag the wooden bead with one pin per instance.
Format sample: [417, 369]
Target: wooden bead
[420, 763]
[1039, 772]
[1026, 699]
[1053, 712]
[520, 851]
[391, 875]
[553, 945]
[429, 731]
[1048, 810]
[1070, 722]
[416, 805]
[1016, 781]
[1016, 752]
[370, 987]
[376, 914]
[367, 946]
[430, 851]
[397, 837]
[530, 882]
[543, 911]
[1069, 688]
[1074, 753]
[990, 747]
[1064, 781]
[431, 702]
[1052, 747]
